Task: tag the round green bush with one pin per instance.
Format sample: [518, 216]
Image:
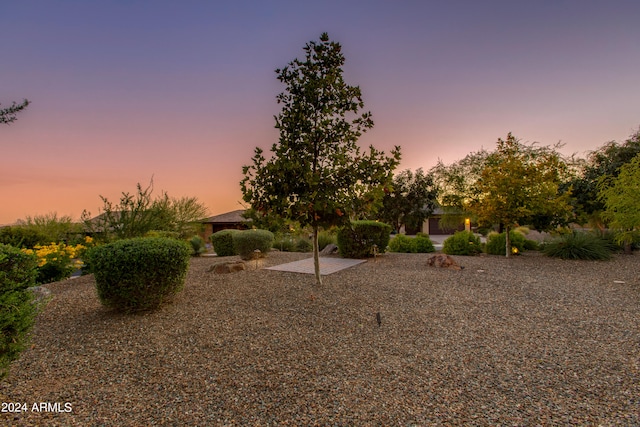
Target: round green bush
[423, 244]
[17, 311]
[197, 245]
[222, 242]
[357, 240]
[402, 243]
[247, 242]
[496, 243]
[578, 245]
[462, 243]
[141, 273]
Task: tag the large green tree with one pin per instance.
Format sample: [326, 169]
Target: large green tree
[317, 174]
[519, 185]
[8, 115]
[603, 163]
[621, 198]
[410, 201]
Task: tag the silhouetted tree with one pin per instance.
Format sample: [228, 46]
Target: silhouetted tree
[8, 115]
[411, 200]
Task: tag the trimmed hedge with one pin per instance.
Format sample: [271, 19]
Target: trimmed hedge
[401, 243]
[462, 243]
[246, 242]
[141, 273]
[358, 239]
[18, 272]
[222, 242]
[404, 244]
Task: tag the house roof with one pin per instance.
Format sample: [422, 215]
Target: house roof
[232, 217]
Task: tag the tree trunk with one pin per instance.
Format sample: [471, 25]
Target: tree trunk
[628, 250]
[507, 241]
[316, 256]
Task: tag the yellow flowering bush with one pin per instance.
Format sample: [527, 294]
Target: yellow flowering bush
[57, 261]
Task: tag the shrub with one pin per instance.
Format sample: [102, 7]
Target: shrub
[222, 242]
[402, 243]
[496, 243]
[531, 245]
[423, 244]
[247, 242]
[197, 245]
[325, 238]
[578, 245]
[17, 311]
[22, 237]
[303, 244]
[358, 239]
[141, 273]
[162, 233]
[609, 237]
[462, 243]
[56, 261]
[284, 242]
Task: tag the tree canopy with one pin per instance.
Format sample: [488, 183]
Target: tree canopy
[456, 186]
[621, 199]
[317, 174]
[410, 201]
[603, 163]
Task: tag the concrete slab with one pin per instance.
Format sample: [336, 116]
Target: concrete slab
[327, 265]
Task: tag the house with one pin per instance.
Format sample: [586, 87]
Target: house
[229, 220]
[433, 226]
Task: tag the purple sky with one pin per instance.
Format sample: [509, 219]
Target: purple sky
[184, 91]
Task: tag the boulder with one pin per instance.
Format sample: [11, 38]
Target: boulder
[330, 249]
[227, 267]
[443, 261]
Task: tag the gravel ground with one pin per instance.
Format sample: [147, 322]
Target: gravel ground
[518, 342]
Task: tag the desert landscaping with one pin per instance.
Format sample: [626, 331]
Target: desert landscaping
[529, 340]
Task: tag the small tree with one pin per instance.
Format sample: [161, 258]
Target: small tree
[137, 215]
[8, 115]
[318, 175]
[456, 186]
[519, 184]
[411, 200]
[621, 198]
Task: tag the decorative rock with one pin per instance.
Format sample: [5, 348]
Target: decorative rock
[443, 261]
[330, 249]
[228, 267]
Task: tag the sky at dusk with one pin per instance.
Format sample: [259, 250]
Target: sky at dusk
[183, 91]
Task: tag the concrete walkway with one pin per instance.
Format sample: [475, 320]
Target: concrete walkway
[328, 265]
